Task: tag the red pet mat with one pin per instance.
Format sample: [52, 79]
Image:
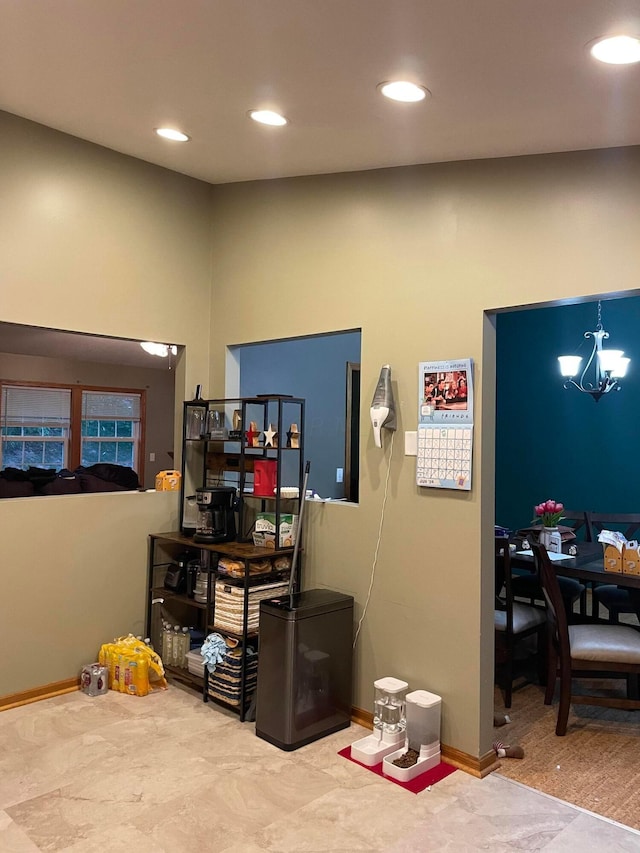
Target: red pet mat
[429, 777]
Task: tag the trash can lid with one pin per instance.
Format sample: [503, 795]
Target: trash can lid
[301, 605]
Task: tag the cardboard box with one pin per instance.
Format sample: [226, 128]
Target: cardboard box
[612, 559]
[265, 530]
[631, 559]
[168, 481]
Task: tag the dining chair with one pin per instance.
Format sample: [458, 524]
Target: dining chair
[614, 598]
[600, 650]
[513, 622]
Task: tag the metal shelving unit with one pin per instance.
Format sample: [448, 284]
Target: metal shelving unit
[226, 457]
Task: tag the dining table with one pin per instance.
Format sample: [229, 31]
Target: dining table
[586, 565]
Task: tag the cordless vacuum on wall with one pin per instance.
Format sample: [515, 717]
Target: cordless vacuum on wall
[383, 410]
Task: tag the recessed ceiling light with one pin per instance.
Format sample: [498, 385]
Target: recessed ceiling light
[617, 50]
[402, 90]
[172, 134]
[268, 117]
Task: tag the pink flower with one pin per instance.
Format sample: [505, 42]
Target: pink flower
[549, 512]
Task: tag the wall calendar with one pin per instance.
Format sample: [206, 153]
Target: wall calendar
[445, 424]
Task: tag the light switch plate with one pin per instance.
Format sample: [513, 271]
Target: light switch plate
[411, 444]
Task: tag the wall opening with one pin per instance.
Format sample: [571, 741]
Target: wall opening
[38, 356]
[315, 368]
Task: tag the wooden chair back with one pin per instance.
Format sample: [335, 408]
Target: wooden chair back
[556, 613]
[627, 523]
[503, 580]
[580, 522]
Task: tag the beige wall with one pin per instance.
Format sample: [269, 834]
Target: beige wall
[414, 257]
[94, 241]
[91, 241]
[158, 386]
[73, 577]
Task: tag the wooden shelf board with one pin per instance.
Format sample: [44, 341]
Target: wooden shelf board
[240, 550]
[237, 635]
[177, 596]
[183, 675]
[255, 580]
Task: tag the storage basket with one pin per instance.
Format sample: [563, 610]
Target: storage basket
[225, 682]
[229, 605]
[195, 662]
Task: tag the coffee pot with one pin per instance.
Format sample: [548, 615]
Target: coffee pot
[216, 520]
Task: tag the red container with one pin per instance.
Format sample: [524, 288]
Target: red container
[265, 477]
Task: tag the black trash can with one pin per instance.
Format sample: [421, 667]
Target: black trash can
[304, 667]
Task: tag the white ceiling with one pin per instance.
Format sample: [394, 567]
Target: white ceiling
[507, 77]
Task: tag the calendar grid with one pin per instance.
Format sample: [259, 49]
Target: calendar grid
[444, 456]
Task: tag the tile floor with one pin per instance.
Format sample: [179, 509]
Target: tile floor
[168, 774]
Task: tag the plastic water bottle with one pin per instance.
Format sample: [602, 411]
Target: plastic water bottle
[186, 646]
[175, 646]
[167, 644]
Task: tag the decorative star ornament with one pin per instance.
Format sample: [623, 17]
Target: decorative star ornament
[271, 436]
[252, 435]
[293, 436]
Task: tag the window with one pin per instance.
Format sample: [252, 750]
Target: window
[110, 428]
[35, 427]
[66, 427]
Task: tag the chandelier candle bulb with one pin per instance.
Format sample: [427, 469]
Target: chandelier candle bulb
[609, 358]
[569, 364]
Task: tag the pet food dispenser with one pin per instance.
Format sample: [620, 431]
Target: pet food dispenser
[423, 736]
[389, 722]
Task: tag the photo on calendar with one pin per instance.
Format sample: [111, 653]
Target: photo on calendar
[446, 391]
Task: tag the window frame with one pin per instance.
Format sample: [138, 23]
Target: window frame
[74, 440]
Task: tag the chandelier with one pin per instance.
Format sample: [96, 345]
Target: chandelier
[607, 366]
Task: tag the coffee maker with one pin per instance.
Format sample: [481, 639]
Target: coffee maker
[216, 520]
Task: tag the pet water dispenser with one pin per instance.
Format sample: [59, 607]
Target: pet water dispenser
[422, 736]
[389, 722]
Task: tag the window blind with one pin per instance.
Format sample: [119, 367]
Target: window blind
[31, 406]
[98, 405]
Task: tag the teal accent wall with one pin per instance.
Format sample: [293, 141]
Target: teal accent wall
[314, 368]
[557, 443]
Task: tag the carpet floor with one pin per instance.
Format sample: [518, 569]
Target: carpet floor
[596, 765]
